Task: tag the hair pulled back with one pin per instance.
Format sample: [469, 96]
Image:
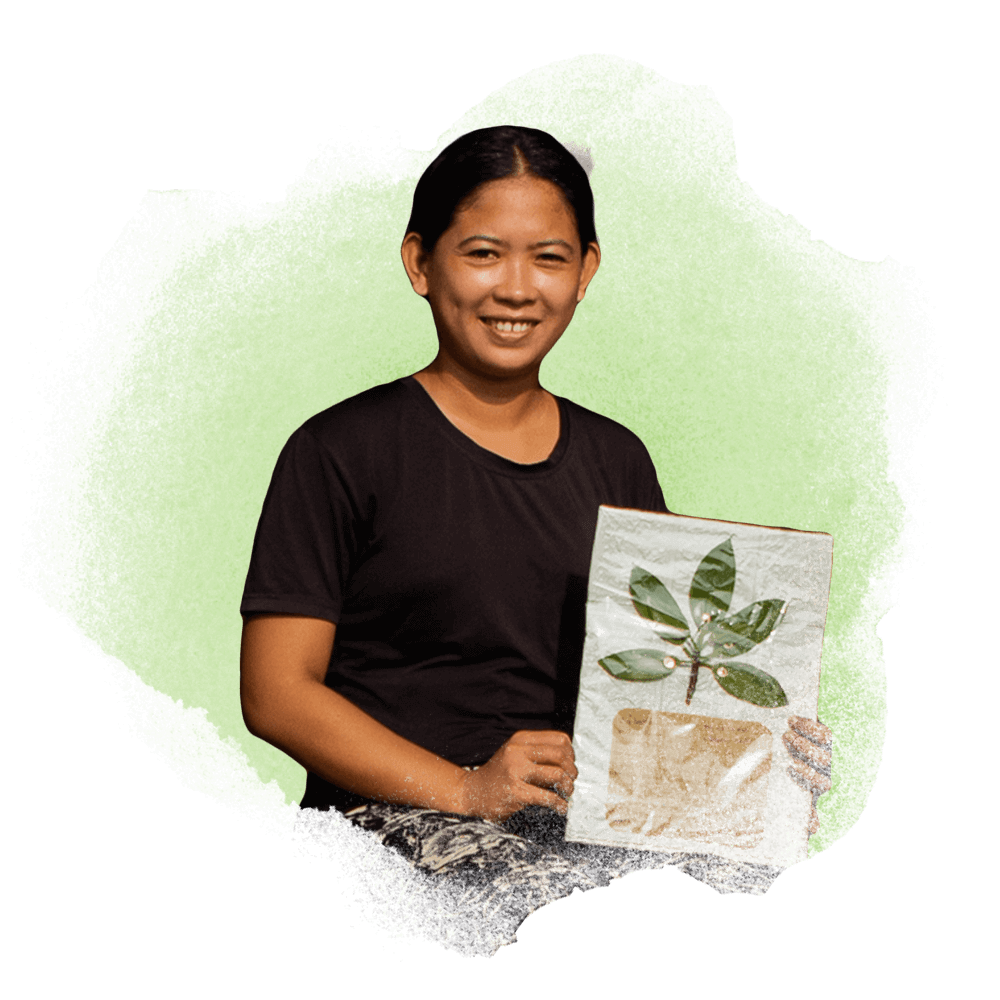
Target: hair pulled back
[490, 154]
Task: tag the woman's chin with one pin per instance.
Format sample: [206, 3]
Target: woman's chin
[498, 370]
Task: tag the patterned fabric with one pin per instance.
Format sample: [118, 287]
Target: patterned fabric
[495, 875]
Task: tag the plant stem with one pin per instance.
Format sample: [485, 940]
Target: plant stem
[692, 683]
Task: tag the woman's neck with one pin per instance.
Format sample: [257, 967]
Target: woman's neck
[514, 417]
[491, 405]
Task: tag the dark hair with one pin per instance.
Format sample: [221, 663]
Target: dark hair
[489, 154]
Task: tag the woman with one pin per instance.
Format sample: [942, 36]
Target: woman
[414, 608]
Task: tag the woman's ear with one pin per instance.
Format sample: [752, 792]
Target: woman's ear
[591, 262]
[415, 261]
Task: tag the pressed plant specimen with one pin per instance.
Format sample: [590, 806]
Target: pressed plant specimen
[712, 638]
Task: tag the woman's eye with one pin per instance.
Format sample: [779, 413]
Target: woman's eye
[490, 253]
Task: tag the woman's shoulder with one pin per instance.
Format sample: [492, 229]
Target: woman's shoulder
[601, 430]
[366, 415]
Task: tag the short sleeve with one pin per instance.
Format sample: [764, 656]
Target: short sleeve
[307, 536]
[646, 485]
[656, 501]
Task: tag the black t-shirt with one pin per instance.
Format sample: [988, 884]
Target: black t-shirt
[457, 578]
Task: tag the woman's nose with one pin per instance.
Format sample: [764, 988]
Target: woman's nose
[514, 284]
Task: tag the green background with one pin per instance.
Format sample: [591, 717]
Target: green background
[747, 356]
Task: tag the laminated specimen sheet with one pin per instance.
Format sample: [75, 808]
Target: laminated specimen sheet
[703, 638]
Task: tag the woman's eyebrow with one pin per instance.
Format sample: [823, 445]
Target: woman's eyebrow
[503, 243]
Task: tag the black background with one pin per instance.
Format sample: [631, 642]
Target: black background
[855, 143]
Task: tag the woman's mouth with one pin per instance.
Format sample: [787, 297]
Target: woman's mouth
[509, 325]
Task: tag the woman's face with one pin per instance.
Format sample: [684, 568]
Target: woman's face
[504, 280]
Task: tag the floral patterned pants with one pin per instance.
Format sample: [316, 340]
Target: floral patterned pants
[495, 875]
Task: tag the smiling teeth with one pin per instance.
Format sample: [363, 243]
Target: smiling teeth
[505, 326]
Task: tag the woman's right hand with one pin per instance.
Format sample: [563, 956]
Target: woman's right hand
[521, 773]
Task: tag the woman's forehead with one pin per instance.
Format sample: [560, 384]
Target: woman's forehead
[516, 202]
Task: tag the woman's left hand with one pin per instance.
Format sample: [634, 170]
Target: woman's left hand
[810, 744]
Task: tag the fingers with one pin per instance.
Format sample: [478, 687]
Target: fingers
[544, 747]
[550, 767]
[523, 772]
[806, 776]
[532, 795]
[809, 744]
[551, 738]
[805, 750]
[813, 822]
[813, 730]
[550, 777]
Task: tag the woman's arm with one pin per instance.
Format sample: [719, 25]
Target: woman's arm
[283, 662]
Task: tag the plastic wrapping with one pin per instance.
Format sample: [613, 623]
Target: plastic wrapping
[703, 638]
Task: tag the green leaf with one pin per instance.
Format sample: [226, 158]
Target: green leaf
[653, 601]
[741, 632]
[712, 583]
[676, 640]
[637, 665]
[747, 683]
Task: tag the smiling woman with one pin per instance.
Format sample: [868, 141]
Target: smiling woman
[503, 282]
[414, 608]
